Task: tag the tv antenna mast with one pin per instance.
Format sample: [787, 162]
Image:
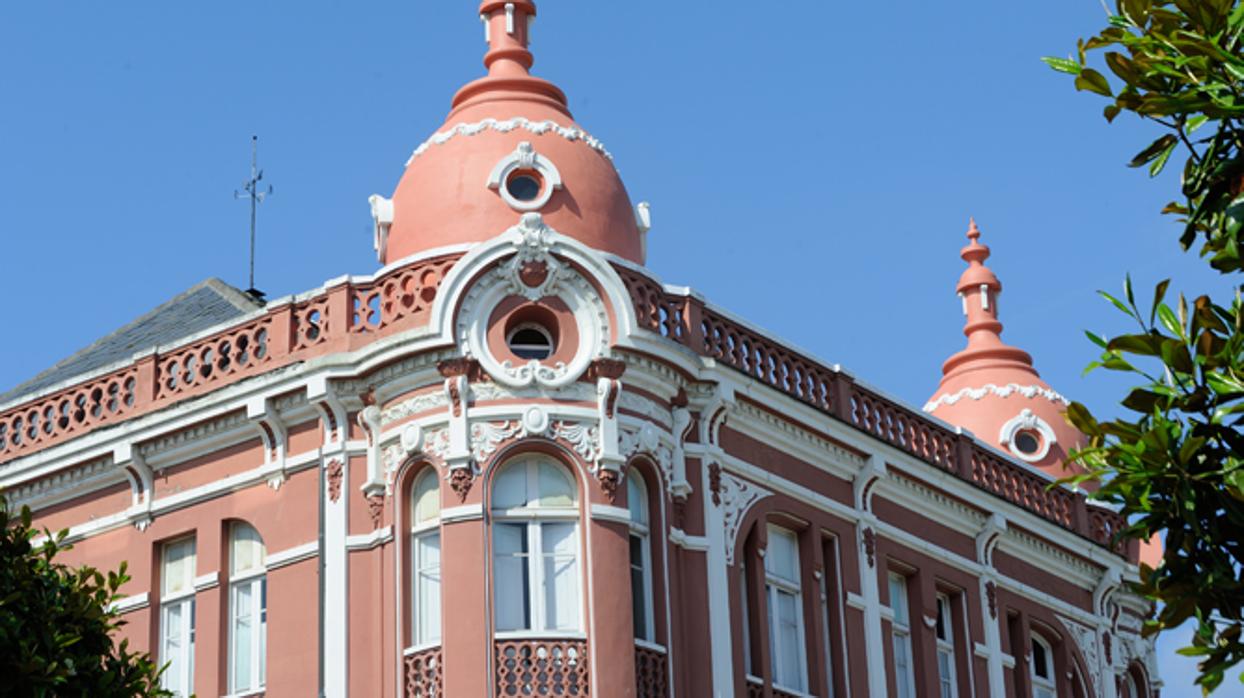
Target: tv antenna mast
[251, 190]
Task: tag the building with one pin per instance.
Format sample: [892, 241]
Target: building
[511, 462]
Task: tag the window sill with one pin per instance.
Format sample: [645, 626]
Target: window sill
[649, 645]
[416, 649]
[540, 635]
[249, 693]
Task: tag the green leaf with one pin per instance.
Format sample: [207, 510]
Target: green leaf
[1159, 292]
[1160, 162]
[1116, 302]
[1062, 65]
[1093, 81]
[1154, 150]
[1195, 122]
[1169, 321]
[1097, 339]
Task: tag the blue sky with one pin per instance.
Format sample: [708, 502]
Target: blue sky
[811, 166]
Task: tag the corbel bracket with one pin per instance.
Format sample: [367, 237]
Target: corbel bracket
[607, 374]
[865, 483]
[261, 413]
[987, 539]
[142, 484]
[680, 488]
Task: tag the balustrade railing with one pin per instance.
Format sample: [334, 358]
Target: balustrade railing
[686, 320]
[542, 667]
[343, 317]
[424, 673]
[651, 672]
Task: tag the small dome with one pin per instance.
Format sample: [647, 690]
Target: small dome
[509, 146]
[991, 388]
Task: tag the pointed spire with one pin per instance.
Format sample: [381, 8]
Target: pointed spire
[979, 289]
[507, 29]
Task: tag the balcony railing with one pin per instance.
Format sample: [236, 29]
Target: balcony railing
[341, 318]
[651, 671]
[686, 320]
[542, 667]
[424, 673]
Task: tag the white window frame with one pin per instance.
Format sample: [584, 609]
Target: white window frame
[256, 581]
[422, 532]
[948, 685]
[533, 519]
[829, 647]
[900, 636]
[181, 667]
[1042, 687]
[640, 531]
[775, 586]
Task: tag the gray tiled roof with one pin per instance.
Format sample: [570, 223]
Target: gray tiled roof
[208, 303]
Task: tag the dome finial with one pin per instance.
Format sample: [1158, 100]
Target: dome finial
[979, 289]
[507, 29]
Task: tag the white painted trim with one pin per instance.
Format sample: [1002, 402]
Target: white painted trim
[606, 512]
[505, 126]
[207, 581]
[130, 603]
[1002, 391]
[680, 538]
[465, 512]
[855, 601]
[367, 541]
[293, 555]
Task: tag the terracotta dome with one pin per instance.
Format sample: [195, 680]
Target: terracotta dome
[992, 389]
[508, 146]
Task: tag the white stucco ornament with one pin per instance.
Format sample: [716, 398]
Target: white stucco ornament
[412, 438]
[1027, 421]
[525, 159]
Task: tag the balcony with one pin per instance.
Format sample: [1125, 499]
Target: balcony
[424, 673]
[651, 672]
[542, 667]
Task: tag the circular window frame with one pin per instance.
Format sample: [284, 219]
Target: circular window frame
[525, 160]
[1027, 421]
[541, 329]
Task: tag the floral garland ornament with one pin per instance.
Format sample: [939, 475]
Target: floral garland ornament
[334, 473]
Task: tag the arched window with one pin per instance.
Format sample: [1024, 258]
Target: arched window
[784, 597]
[641, 558]
[535, 547]
[425, 557]
[248, 609]
[1042, 668]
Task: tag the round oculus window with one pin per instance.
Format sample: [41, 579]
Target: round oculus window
[530, 342]
[1027, 442]
[523, 186]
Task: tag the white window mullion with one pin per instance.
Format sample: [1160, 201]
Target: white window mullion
[535, 578]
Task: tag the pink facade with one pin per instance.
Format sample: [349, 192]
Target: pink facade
[512, 462]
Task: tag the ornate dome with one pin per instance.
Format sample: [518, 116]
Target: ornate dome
[509, 146]
[991, 388]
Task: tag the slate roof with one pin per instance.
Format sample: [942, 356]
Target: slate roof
[205, 304]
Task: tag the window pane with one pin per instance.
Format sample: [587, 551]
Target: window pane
[941, 626]
[789, 671]
[509, 491]
[944, 674]
[241, 637]
[263, 631]
[510, 581]
[561, 576]
[1040, 665]
[247, 554]
[637, 498]
[782, 557]
[170, 648]
[898, 598]
[639, 590]
[178, 576]
[902, 665]
[556, 488]
[428, 589]
[427, 497]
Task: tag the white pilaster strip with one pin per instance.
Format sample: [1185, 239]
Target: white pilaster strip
[720, 636]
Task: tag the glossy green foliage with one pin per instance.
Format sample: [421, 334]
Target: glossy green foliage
[56, 629]
[1173, 462]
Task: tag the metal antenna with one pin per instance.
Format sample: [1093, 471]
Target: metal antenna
[251, 190]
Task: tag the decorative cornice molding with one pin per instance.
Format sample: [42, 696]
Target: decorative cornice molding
[62, 482]
[505, 126]
[1003, 391]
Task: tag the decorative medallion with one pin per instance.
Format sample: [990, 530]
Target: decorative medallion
[335, 471]
[870, 546]
[460, 481]
[609, 480]
[375, 509]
